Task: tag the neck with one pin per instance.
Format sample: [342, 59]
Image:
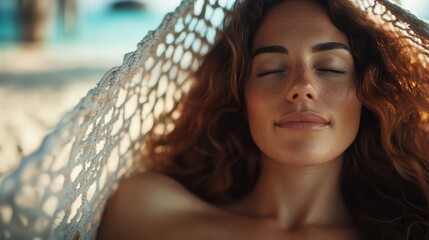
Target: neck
[298, 196]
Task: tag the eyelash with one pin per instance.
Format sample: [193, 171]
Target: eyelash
[269, 72]
[333, 70]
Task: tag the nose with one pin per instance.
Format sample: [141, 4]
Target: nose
[302, 88]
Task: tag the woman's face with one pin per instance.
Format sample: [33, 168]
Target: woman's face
[300, 95]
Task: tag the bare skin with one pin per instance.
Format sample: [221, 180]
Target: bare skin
[154, 206]
[298, 193]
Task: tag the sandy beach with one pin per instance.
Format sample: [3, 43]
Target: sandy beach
[38, 85]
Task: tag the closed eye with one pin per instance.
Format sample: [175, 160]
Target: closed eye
[269, 72]
[333, 70]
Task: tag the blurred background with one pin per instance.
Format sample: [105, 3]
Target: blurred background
[53, 51]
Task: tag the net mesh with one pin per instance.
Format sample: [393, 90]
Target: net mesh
[59, 191]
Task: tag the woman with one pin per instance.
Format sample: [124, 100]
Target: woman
[307, 121]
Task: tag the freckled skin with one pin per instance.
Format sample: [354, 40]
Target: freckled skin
[297, 195]
[301, 87]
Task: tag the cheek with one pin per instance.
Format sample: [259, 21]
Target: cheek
[343, 101]
[349, 109]
[253, 105]
[255, 100]
[260, 103]
[343, 96]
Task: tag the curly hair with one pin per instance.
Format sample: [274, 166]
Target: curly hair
[386, 169]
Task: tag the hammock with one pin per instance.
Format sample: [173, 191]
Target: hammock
[59, 191]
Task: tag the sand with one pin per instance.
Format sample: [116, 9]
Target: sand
[37, 86]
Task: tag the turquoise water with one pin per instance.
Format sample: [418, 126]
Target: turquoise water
[106, 28]
[113, 28]
[102, 27]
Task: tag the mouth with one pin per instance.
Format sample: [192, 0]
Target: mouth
[302, 121]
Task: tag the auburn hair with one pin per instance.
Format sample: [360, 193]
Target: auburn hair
[386, 169]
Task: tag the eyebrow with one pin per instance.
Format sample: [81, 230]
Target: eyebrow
[271, 49]
[316, 48]
[329, 46]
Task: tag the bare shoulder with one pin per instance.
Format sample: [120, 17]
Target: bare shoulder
[144, 204]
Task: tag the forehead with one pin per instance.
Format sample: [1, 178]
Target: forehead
[297, 21]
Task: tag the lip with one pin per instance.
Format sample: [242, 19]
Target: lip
[302, 121]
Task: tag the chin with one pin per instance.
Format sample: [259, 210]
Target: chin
[302, 160]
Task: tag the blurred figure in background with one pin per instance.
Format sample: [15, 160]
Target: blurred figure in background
[35, 17]
[52, 52]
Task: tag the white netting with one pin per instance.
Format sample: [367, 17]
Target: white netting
[59, 191]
